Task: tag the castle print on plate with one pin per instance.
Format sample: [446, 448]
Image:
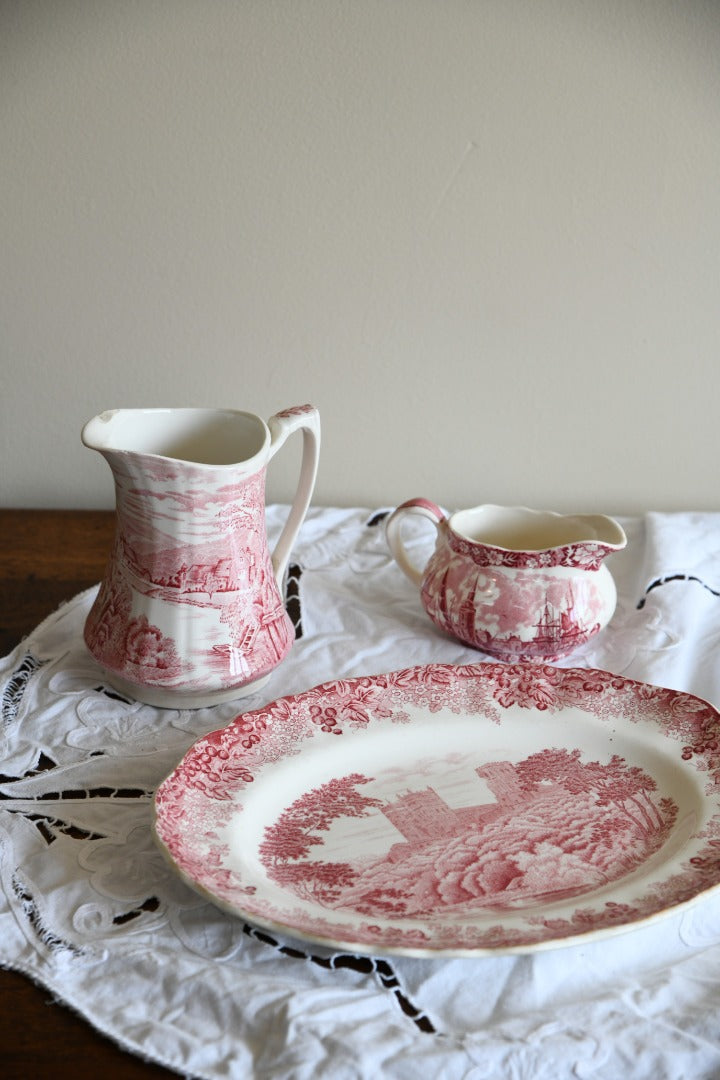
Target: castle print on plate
[453, 810]
[547, 828]
[190, 610]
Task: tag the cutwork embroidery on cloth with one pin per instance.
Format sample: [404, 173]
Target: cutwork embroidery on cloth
[76, 794]
[89, 907]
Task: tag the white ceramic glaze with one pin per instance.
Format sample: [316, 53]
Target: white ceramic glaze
[446, 810]
[518, 584]
[190, 611]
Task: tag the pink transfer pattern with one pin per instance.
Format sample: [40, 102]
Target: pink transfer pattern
[489, 609]
[585, 555]
[512, 603]
[554, 827]
[296, 411]
[484, 828]
[188, 539]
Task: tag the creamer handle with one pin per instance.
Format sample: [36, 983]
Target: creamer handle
[393, 532]
[303, 418]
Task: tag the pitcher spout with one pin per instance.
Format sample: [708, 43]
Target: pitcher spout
[96, 432]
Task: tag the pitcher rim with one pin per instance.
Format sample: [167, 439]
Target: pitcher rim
[93, 442]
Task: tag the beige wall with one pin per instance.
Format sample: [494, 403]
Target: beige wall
[483, 237]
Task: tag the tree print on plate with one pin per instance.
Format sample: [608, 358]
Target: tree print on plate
[453, 810]
[548, 828]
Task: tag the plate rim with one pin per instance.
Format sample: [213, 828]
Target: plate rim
[488, 670]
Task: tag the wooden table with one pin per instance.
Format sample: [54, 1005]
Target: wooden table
[47, 557]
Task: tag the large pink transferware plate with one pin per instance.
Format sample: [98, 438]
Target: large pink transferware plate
[449, 810]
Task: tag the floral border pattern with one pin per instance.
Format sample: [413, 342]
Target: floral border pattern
[195, 803]
[586, 555]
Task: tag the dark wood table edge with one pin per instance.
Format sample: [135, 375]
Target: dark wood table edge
[46, 558]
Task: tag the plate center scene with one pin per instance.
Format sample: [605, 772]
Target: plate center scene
[443, 837]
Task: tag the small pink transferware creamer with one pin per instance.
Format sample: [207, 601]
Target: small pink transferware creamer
[517, 584]
[190, 610]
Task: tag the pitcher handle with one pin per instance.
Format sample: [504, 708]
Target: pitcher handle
[305, 418]
[393, 532]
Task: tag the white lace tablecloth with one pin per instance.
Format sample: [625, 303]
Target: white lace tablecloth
[90, 908]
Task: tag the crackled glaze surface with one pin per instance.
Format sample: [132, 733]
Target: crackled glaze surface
[454, 809]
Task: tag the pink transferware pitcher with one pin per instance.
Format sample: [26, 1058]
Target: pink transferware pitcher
[518, 584]
[190, 611]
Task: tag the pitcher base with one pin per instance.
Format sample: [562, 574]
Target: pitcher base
[180, 699]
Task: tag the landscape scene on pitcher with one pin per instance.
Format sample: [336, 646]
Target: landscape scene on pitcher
[542, 829]
[216, 565]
